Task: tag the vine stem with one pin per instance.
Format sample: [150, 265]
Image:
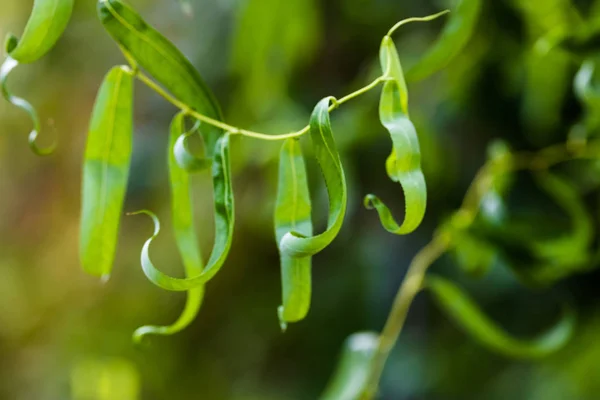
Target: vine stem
[442, 242]
[235, 130]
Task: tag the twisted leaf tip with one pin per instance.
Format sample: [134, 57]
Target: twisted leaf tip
[7, 67]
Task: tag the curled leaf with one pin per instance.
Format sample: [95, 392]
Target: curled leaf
[184, 157]
[106, 171]
[162, 60]
[404, 163]
[46, 24]
[296, 244]
[293, 213]
[185, 235]
[453, 39]
[224, 223]
[351, 375]
[9, 65]
[465, 313]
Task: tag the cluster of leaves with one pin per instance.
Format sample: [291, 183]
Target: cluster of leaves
[476, 234]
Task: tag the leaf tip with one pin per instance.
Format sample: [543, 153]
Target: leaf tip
[282, 324]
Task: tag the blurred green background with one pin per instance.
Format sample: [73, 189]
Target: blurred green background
[64, 335]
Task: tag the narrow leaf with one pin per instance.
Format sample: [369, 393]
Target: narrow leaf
[224, 223]
[296, 244]
[106, 170]
[162, 60]
[182, 212]
[293, 213]
[453, 39]
[404, 163]
[351, 375]
[454, 302]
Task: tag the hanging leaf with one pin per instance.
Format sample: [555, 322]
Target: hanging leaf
[47, 22]
[351, 375]
[404, 164]
[105, 171]
[296, 244]
[458, 306]
[182, 211]
[293, 214]
[162, 60]
[224, 223]
[455, 36]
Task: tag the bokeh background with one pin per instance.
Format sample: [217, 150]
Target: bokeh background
[64, 335]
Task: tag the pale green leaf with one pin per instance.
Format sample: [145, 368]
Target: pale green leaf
[105, 171]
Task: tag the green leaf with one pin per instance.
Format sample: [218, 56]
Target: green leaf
[453, 39]
[224, 223]
[351, 375]
[162, 60]
[105, 171]
[404, 163]
[293, 213]
[296, 244]
[47, 22]
[185, 235]
[466, 314]
[184, 157]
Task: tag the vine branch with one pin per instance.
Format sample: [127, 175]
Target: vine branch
[442, 241]
[244, 132]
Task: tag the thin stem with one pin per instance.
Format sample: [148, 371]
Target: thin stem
[416, 19]
[411, 286]
[235, 130]
[413, 281]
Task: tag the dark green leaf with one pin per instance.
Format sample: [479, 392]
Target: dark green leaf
[162, 60]
[106, 170]
[293, 214]
[465, 313]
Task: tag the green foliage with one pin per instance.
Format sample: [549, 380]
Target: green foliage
[478, 234]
